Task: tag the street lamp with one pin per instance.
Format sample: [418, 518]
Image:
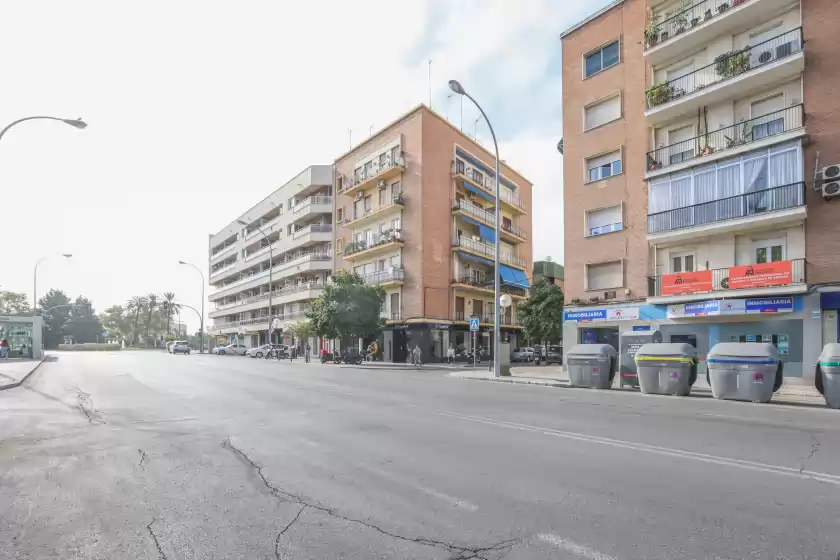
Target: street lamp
[456, 87]
[35, 274]
[270, 276]
[201, 328]
[75, 123]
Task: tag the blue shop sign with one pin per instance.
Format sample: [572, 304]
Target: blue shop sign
[702, 308]
[641, 328]
[583, 316]
[769, 305]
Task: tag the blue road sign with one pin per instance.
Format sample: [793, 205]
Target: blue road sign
[473, 324]
[105, 334]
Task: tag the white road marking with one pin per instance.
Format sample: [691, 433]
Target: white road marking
[574, 548]
[452, 500]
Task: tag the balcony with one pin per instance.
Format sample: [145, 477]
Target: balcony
[266, 226]
[299, 263]
[372, 214]
[311, 206]
[222, 252]
[510, 232]
[485, 185]
[392, 276]
[760, 132]
[508, 320]
[313, 233]
[731, 75]
[486, 250]
[691, 29]
[265, 249]
[388, 239]
[392, 168]
[776, 206]
[773, 278]
[484, 283]
[218, 271]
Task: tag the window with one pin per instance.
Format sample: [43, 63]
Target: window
[682, 262]
[369, 237]
[396, 224]
[394, 261]
[767, 115]
[395, 305]
[680, 147]
[339, 183]
[383, 197]
[603, 166]
[673, 77]
[339, 245]
[382, 227]
[382, 158]
[604, 276]
[602, 112]
[339, 215]
[459, 166]
[396, 188]
[358, 208]
[601, 59]
[380, 265]
[368, 204]
[604, 220]
[769, 250]
[395, 153]
[368, 170]
[477, 177]
[360, 238]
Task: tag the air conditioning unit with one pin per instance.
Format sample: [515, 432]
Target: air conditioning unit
[830, 173]
[476, 238]
[381, 184]
[359, 195]
[399, 161]
[831, 190]
[609, 295]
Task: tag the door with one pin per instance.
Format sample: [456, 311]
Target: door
[769, 250]
[399, 351]
[682, 262]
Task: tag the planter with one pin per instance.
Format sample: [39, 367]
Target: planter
[679, 30]
[737, 2]
[663, 37]
[695, 21]
[723, 7]
[706, 151]
[707, 15]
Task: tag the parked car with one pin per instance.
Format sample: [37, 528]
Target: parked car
[263, 350]
[180, 347]
[528, 354]
[554, 355]
[172, 343]
[517, 355]
[235, 349]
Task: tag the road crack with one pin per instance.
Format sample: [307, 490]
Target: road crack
[283, 532]
[86, 407]
[155, 539]
[143, 456]
[459, 552]
[815, 446]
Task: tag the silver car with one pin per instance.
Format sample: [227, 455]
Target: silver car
[235, 349]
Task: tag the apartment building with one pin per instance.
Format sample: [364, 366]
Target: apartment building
[414, 209]
[692, 203]
[278, 253]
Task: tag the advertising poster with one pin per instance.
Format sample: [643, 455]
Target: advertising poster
[687, 282]
[759, 275]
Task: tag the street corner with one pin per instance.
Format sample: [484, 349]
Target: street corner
[14, 372]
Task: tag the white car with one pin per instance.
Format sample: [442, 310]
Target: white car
[261, 351]
[235, 349]
[172, 343]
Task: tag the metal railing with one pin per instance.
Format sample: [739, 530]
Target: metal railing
[730, 208]
[395, 273]
[486, 216]
[753, 130]
[690, 18]
[483, 280]
[396, 200]
[261, 251]
[386, 236]
[487, 250]
[486, 182]
[396, 315]
[312, 228]
[306, 202]
[364, 176]
[726, 66]
[282, 263]
[221, 269]
[265, 224]
[720, 279]
[485, 319]
[222, 251]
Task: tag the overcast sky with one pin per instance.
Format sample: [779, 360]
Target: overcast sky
[199, 109]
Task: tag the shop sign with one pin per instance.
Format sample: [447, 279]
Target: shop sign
[687, 282]
[769, 305]
[600, 315]
[777, 273]
[623, 314]
[731, 307]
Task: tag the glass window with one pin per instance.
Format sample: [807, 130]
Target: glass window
[601, 59]
[383, 197]
[396, 188]
[602, 112]
[604, 166]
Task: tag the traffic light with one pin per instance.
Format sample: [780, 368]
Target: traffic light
[166, 306]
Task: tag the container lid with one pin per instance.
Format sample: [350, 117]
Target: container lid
[665, 350]
[751, 352]
[586, 350]
[830, 355]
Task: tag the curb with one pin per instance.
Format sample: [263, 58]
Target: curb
[25, 377]
[396, 368]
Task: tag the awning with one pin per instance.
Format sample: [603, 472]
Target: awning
[476, 259]
[470, 220]
[487, 233]
[477, 191]
[513, 277]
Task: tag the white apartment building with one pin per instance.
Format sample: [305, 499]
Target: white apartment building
[285, 239]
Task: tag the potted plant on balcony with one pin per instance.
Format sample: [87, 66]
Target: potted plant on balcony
[708, 15]
[732, 63]
[660, 94]
[722, 8]
[694, 21]
[681, 19]
[737, 2]
[652, 30]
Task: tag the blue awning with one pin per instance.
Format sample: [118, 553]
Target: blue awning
[487, 233]
[470, 220]
[477, 191]
[476, 259]
[513, 277]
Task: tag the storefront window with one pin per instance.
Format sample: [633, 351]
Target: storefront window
[18, 336]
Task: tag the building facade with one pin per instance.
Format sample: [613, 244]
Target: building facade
[694, 197]
[549, 271]
[414, 210]
[278, 251]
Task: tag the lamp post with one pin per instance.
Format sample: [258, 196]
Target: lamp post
[201, 328]
[270, 277]
[35, 276]
[456, 87]
[75, 123]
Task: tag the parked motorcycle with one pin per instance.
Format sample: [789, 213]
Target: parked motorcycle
[347, 357]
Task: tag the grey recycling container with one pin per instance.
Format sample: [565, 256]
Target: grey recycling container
[744, 371]
[827, 376]
[592, 365]
[666, 368]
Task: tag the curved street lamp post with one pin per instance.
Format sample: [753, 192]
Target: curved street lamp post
[75, 123]
[270, 283]
[201, 328]
[35, 279]
[456, 87]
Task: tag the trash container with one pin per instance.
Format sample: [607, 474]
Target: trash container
[744, 371]
[592, 365]
[666, 368]
[827, 376]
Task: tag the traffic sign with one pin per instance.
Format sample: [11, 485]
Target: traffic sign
[473, 324]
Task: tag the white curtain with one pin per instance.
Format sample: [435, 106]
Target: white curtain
[681, 197]
[783, 169]
[704, 191]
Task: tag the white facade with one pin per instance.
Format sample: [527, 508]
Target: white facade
[288, 239]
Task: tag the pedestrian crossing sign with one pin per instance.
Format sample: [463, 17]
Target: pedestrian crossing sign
[473, 324]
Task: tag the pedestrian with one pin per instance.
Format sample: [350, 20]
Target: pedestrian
[292, 350]
[4, 349]
[450, 354]
[415, 355]
[374, 350]
[307, 353]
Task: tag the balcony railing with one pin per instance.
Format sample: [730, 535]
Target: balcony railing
[297, 258]
[484, 318]
[486, 182]
[387, 236]
[486, 216]
[306, 202]
[726, 66]
[753, 130]
[486, 250]
[261, 251]
[312, 228]
[219, 270]
[720, 280]
[693, 16]
[266, 226]
[733, 207]
[363, 176]
[393, 274]
[486, 281]
[223, 250]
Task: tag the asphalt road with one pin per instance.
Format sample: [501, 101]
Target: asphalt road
[147, 455]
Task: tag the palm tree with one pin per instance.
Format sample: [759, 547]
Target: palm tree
[136, 305]
[151, 304]
[171, 307]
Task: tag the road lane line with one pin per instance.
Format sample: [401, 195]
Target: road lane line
[574, 548]
[451, 500]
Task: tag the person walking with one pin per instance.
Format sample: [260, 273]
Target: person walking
[415, 355]
[450, 355]
[4, 349]
[306, 354]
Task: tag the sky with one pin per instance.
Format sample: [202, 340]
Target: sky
[198, 109]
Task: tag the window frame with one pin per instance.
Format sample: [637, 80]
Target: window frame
[600, 48]
[604, 99]
[586, 286]
[588, 230]
[682, 256]
[587, 169]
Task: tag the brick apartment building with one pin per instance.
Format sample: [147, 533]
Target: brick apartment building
[414, 212]
[696, 203]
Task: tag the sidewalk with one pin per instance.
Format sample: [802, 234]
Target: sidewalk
[411, 367]
[15, 371]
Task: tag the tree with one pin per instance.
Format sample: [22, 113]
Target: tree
[348, 308]
[303, 331]
[170, 307]
[84, 325]
[55, 309]
[151, 305]
[541, 315]
[136, 305]
[12, 303]
[117, 322]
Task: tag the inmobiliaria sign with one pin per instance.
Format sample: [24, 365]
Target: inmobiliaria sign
[687, 282]
[777, 273]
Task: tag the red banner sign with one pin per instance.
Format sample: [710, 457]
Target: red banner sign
[759, 275]
[687, 282]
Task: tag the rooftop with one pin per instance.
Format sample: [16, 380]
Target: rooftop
[597, 14]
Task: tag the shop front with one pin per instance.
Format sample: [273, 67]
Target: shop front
[604, 325]
[23, 333]
[434, 340]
